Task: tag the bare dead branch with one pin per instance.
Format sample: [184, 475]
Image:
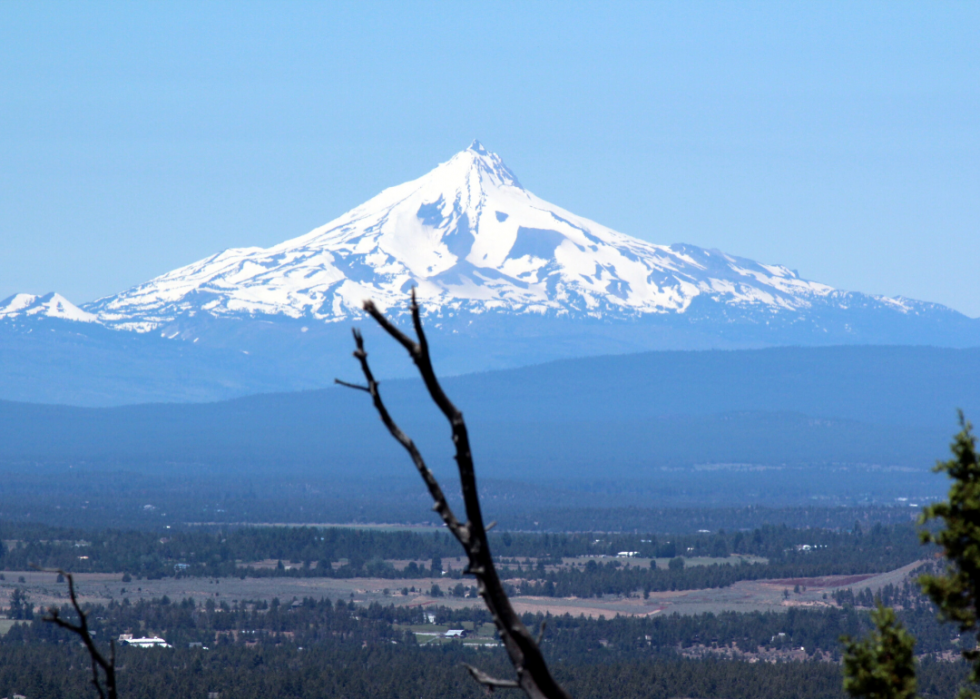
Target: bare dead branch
[489, 682]
[356, 386]
[403, 339]
[441, 505]
[81, 630]
[533, 675]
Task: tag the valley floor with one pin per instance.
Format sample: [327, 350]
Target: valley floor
[743, 596]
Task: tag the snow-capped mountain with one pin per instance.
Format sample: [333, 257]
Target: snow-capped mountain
[473, 241]
[507, 280]
[47, 306]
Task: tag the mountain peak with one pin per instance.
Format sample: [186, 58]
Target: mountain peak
[484, 162]
[51, 305]
[472, 241]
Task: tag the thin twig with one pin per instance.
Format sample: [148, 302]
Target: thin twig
[356, 386]
[533, 675]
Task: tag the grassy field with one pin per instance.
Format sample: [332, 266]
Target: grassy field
[756, 595]
[7, 624]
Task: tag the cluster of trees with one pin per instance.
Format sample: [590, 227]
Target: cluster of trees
[595, 579]
[309, 551]
[310, 623]
[306, 622]
[255, 647]
[817, 631]
[905, 596]
[209, 553]
[882, 665]
[691, 519]
[409, 672]
[93, 498]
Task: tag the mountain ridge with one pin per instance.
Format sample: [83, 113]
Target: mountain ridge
[472, 241]
[504, 278]
[50, 305]
[883, 407]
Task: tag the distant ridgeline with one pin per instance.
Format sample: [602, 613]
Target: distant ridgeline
[851, 403]
[599, 418]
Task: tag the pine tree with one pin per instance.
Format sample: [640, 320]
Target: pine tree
[957, 591]
[881, 666]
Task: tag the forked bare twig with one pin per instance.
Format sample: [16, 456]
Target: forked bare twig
[533, 675]
[80, 629]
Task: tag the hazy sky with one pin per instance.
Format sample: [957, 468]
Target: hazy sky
[842, 140]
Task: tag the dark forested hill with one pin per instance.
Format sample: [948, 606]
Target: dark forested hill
[881, 406]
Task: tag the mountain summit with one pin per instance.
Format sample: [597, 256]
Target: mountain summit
[472, 240]
[505, 279]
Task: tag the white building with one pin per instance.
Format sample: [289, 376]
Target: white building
[127, 639]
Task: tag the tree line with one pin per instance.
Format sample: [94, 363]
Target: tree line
[310, 623]
[346, 552]
[304, 648]
[408, 672]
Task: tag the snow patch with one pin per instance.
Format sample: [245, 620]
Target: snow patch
[50, 305]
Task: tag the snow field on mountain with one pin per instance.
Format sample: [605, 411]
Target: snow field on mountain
[50, 305]
[470, 239]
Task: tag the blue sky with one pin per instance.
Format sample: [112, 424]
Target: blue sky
[839, 139]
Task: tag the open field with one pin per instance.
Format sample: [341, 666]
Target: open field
[744, 596]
